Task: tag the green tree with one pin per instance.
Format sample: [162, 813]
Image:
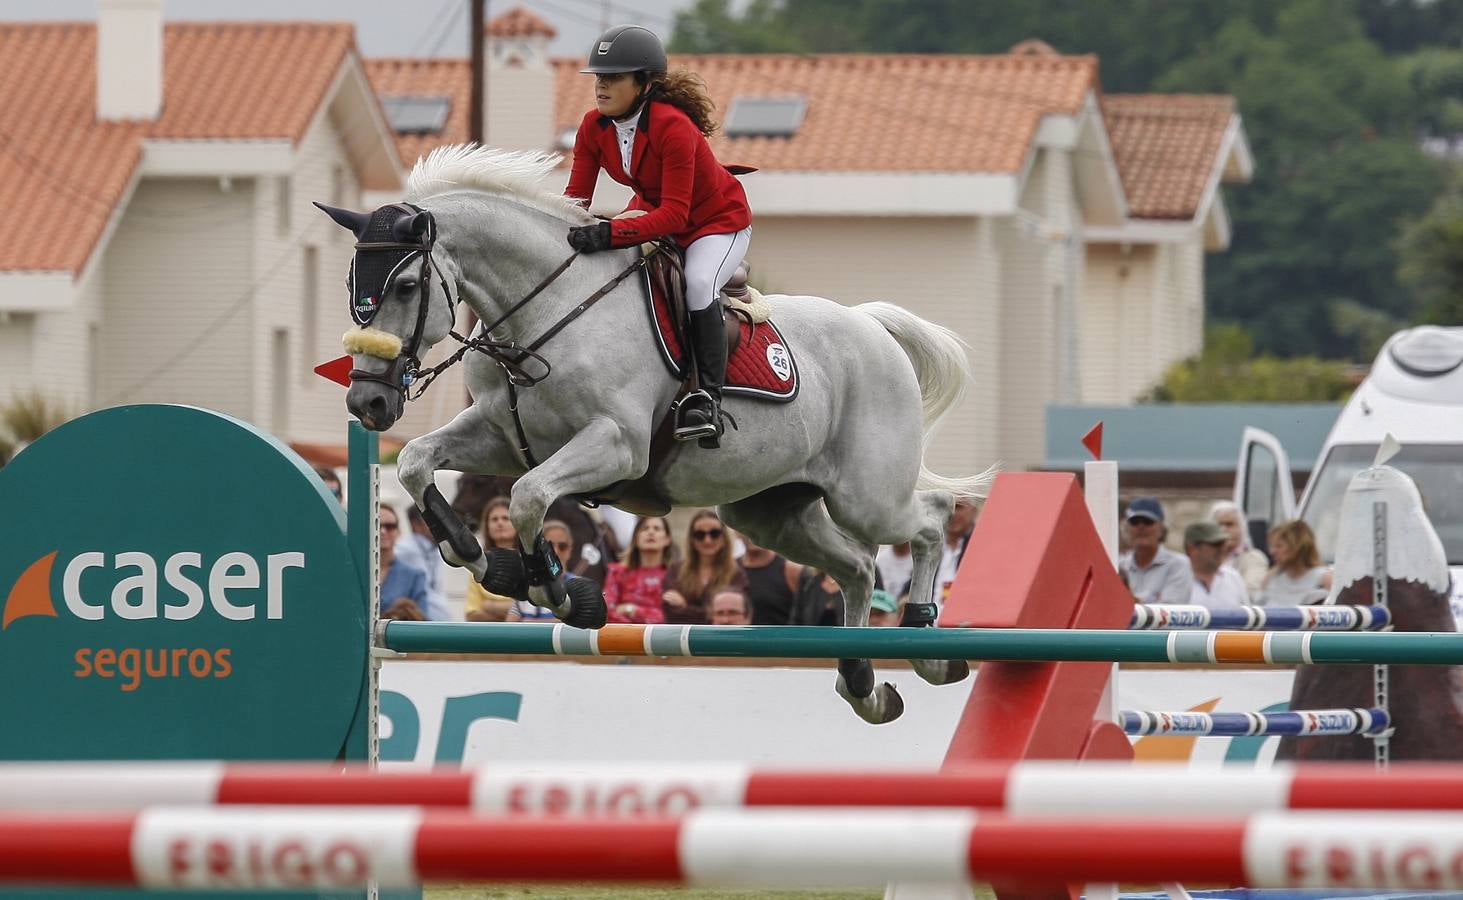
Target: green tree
[24, 418]
[1432, 260]
[1315, 233]
[1333, 123]
[1229, 372]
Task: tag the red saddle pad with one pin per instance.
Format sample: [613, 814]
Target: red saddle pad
[762, 366]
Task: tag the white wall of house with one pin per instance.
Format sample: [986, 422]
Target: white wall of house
[53, 352]
[1143, 311]
[1039, 284]
[17, 352]
[304, 261]
[939, 268]
[177, 315]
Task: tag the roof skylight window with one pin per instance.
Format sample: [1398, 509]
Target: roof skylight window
[416, 113]
[765, 116]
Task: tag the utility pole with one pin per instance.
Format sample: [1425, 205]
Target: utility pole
[477, 125]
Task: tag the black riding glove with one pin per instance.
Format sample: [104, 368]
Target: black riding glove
[590, 238]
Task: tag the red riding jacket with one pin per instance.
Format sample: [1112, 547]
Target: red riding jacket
[685, 192]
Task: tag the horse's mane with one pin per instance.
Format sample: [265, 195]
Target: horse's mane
[516, 174]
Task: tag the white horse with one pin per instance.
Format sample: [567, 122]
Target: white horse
[824, 479]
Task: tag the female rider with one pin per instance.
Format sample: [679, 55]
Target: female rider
[648, 131]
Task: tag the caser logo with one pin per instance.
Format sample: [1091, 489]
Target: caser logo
[235, 586]
[137, 595]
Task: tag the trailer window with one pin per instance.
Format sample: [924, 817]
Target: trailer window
[1436, 468]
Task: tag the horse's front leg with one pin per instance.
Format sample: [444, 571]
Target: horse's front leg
[602, 453]
[466, 444]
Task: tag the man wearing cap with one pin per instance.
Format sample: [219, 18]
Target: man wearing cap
[1216, 585]
[1154, 573]
[883, 609]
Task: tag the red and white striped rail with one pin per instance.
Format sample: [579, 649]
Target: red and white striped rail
[670, 789]
[251, 848]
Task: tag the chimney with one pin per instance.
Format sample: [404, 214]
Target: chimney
[519, 100]
[129, 59]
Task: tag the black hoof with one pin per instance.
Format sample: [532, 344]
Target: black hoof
[893, 704]
[958, 670]
[505, 575]
[586, 604]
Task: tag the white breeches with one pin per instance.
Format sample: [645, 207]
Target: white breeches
[710, 263]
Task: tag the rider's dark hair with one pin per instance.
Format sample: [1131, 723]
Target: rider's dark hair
[686, 91]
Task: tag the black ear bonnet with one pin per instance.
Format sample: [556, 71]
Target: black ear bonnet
[395, 237]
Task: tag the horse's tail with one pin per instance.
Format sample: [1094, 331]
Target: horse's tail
[943, 370]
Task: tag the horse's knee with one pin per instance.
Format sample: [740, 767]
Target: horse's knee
[414, 466]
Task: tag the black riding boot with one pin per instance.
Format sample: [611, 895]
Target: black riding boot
[700, 412]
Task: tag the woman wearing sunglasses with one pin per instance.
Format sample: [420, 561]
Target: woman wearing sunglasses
[707, 570]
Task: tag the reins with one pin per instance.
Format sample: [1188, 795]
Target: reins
[511, 356]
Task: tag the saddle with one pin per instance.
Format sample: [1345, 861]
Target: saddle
[759, 363]
[666, 269]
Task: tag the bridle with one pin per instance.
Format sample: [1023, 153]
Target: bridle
[401, 372]
[405, 371]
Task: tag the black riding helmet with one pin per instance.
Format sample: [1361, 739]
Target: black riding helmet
[626, 48]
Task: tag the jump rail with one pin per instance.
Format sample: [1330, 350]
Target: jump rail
[321, 848]
[513, 787]
[1301, 723]
[1168, 617]
[1006, 644]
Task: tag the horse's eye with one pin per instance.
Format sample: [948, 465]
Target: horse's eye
[405, 286]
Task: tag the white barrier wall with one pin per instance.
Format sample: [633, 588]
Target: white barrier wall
[477, 712]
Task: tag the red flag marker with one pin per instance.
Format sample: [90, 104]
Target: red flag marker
[1092, 440]
[337, 370]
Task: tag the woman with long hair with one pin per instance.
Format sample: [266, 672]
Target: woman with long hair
[648, 131]
[707, 570]
[1298, 577]
[482, 605]
[633, 588]
[1250, 563]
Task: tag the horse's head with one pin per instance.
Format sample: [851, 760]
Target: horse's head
[400, 302]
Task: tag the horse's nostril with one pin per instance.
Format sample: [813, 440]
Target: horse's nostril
[377, 407]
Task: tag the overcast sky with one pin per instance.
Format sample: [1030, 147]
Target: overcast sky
[394, 27]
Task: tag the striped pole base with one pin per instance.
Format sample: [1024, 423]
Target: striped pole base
[614, 790]
[334, 849]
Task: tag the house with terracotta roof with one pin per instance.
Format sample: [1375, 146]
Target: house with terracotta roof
[158, 243]
[1062, 233]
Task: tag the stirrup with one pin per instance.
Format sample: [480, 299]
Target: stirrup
[685, 432]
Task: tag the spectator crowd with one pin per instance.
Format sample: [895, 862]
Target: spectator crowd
[1218, 568]
[708, 574]
[712, 575]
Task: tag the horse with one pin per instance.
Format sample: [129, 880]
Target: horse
[567, 393]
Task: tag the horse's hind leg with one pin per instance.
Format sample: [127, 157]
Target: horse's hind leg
[932, 510]
[793, 521]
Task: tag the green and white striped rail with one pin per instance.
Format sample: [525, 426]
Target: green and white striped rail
[1007, 644]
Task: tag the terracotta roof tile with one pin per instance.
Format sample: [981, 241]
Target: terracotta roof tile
[881, 112]
[866, 112]
[438, 77]
[1166, 147]
[68, 171]
[519, 22]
